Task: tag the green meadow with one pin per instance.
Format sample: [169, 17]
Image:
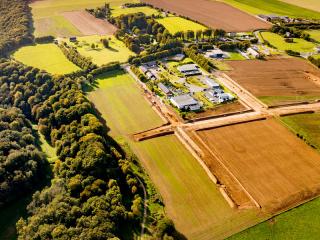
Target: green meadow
[299, 45]
[178, 24]
[117, 11]
[315, 35]
[306, 125]
[117, 51]
[273, 7]
[48, 57]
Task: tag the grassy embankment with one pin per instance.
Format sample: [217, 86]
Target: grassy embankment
[281, 100]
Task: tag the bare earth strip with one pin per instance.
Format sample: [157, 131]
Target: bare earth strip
[213, 14]
[88, 24]
[274, 166]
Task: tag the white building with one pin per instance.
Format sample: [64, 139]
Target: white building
[185, 102]
[189, 69]
[225, 97]
[253, 53]
[211, 83]
[216, 53]
[218, 97]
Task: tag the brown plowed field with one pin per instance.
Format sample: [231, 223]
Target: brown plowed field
[276, 77]
[88, 24]
[275, 167]
[213, 14]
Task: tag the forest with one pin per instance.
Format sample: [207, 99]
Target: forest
[15, 25]
[94, 193]
[22, 165]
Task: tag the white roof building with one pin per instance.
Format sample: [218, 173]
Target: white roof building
[225, 97]
[189, 69]
[253, 52]
[211, 83]
[185, 102]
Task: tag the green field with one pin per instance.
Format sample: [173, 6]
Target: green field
[315, 35]
[47, 57]
[178, 24]
[299, 45]
[306, 125]
[119, 99]
[48, 18]
[192, 200]
[235, 56]
[100, 55]
[117, 11]
[302, 222]
[310, 4]
[280, 100]
[273, 7]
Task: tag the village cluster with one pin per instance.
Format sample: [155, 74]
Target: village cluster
[185, 85]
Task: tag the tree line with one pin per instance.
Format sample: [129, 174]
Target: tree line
[201, 60]
[15, 22]
[315, 61]
[293, 32]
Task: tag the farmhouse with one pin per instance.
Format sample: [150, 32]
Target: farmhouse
[189, 69]
[216, 53]
[165, 90]
[185, 102]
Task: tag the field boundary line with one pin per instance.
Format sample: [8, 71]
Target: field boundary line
[226, 168]
[197, 157]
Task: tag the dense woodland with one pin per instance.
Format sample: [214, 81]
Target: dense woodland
[94, 192]
[15, 23]
[22, 165]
